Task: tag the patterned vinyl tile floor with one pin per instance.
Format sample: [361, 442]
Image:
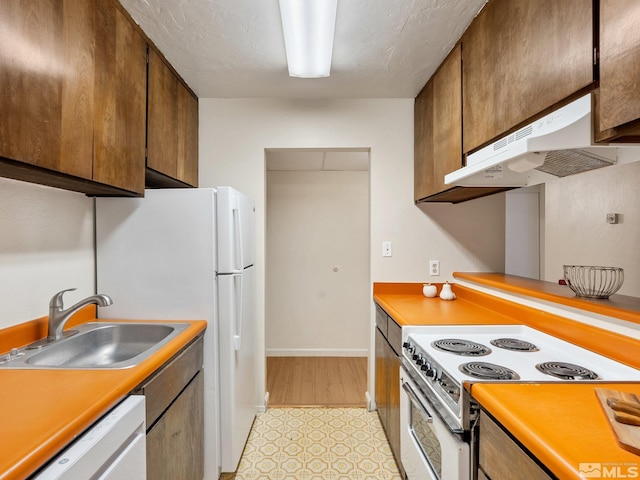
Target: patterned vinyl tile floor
[317, 444]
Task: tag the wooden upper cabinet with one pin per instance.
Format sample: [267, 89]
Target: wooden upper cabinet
[521, 58]
[73, 99]
[172, 127]
[187, 137]
[447, 122]
[485, 77]
[120, 101]
[438, 128]
[423, 174]
[47, 72]
[162, 117]
[619, 99]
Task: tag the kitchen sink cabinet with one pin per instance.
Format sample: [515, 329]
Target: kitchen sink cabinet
[172, 157]
[73, 96]
[499, 456]
[387, 387]
[521, 59]
[175, 416]
[618, 108]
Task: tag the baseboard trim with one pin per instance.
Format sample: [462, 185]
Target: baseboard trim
[316, 352]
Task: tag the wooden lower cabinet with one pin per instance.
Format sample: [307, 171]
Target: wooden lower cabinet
[175, 417]
[174, 443]
[500, 457]
[387, 386]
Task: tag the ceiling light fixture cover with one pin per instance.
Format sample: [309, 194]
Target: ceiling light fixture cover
[308, 27]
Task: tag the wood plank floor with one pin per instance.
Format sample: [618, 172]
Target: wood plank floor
[317, 381]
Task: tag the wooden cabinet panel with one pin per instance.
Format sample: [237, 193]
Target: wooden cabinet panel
[46, 73]
[520, 59]
[619, 102]
[382, 380]
[551, 54]
[423, 175]
[74, 105]
[500, 457]
[162, 117]
[438, 128]
[120, 101]
[175, 444]
[447, 125]
[187, 168]
[485, 60]
[387, 384]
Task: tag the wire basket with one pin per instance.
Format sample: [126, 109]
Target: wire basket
[593, 282]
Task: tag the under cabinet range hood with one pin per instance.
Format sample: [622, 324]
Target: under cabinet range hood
[556, 145]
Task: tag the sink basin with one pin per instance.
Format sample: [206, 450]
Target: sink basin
[99, 345]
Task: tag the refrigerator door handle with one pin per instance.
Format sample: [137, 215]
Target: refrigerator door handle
[237, 336]
[237, 230]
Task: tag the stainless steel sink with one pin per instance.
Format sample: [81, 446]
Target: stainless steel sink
[97, 345]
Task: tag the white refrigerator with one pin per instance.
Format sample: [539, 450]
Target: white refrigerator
[190, 254]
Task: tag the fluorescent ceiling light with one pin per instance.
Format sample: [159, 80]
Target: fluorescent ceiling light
[308, 27]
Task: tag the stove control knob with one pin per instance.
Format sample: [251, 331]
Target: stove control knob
[416, 356]
[406, 345]
[420, 361]
[431, 372]
[424, 368]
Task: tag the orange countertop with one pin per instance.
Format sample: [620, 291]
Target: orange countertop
[41, 411]
[618, 306]
[561, 424]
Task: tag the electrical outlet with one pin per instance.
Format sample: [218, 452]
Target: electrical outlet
[434, 268]
[386, 249]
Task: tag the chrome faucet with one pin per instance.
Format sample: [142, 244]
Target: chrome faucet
[58, 317]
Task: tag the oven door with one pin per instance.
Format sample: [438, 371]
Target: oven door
[428, 449]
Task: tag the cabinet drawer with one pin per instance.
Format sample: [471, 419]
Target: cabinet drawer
[382, 320]
[394, 336]
[165, 385]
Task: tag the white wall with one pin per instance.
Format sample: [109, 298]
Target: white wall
[235, 132]
[46, 245]
[317, 262]
[576, 231]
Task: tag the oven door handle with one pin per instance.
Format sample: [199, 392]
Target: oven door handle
[413, 397]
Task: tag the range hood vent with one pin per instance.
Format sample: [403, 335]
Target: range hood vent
[562, 163]
[557, 145]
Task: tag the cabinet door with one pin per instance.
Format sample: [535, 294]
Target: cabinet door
[550, 54]
[162, 118]
[521, 58]
[438, 128]
[47, 77]
[500, 457]
[447, 124]
[187, 169]
[423, 175]
[619, 102]
[393, 411]
[120, 101]
[382, 379]
[485, 60]
[175, 443]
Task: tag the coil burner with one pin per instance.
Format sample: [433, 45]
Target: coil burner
[514, 344]
[567, 371]
[461, 347]
[488, 371]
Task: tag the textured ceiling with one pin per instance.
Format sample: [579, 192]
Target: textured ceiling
[235, 48]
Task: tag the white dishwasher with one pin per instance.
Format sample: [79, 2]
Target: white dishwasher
[113, 449]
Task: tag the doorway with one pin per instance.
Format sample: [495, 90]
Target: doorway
[318, 284]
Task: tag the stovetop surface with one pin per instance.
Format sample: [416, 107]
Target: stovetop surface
[523, 363]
